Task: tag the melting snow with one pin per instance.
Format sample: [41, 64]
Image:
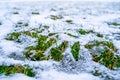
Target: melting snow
[85, 15]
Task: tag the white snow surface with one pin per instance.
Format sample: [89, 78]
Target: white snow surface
[85, 15]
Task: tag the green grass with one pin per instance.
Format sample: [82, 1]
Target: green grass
[41, 46]
[75, 49]
[56, 53]
[51, 34]
[114, 24]
[26, 24]
[83, 32]
[72, 35]
[35, 13]
[20, 22]
[106, 56]
[8, 70]
[15, 12]
[89, 46]
[69, 21]
[108, 59]
[14, 36]
[96, 73]
[99, 35]
[107, 44]
[56, 17]
[46, 27]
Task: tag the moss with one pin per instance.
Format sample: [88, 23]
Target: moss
[8, 70]
[75, 48]
[56, 53]
[83, 32]
[55, 17]
[69, 21]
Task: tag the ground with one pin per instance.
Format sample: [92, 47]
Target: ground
[59, 40]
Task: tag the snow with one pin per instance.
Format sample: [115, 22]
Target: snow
[55, 75]
[16, 76]
[91, 16]
[60, 0]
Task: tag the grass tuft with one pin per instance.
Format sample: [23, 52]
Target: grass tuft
[55, 17]
[83, 32]
[75, 48]
[69, 21]
[56, 53]
[8, 70]
[37, 52]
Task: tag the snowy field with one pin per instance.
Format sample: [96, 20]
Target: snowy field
[80, 40]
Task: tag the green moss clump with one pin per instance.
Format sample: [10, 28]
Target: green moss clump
[56, 53]
[75, 48]
[16, 69]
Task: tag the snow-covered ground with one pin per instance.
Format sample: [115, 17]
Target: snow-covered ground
[96, 16]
